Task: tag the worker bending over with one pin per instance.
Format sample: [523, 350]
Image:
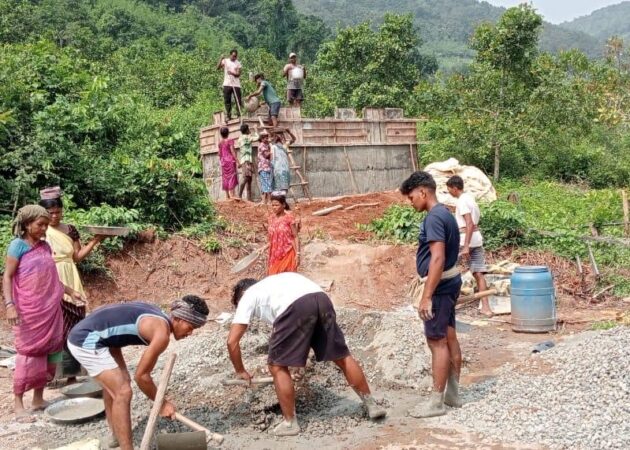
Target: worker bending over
[302, 317]
[97, 342]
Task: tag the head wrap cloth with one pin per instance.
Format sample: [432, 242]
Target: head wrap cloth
[26, 215]
[183, 310]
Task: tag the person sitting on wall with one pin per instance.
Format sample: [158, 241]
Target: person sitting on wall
[269, 94]
[303, 317]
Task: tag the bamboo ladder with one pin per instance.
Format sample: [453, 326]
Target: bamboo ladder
[296, 168]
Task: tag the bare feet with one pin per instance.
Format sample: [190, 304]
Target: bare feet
[23, 416]
[486, 313]
[39, 406]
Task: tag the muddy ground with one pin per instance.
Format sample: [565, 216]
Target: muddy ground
[368, 282]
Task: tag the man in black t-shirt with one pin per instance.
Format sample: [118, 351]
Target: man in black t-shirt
[436, 261]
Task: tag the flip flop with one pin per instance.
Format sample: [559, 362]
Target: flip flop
[25, 417]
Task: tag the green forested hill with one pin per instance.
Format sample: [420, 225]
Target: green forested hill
[605, 22]
[444, 25]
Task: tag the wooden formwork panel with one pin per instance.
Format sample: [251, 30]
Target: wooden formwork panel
[317, 125]
[401, 139]
[401, 125]
[401, 132]
[356, 132]
[350, 140]
[318, 133]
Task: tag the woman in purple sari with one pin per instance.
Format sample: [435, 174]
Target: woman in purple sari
[227, 157]
[32, 298]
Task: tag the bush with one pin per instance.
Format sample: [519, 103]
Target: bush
[502, 224]
[400, 222]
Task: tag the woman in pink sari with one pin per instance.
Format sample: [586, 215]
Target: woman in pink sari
[32, 298]
[227, 157]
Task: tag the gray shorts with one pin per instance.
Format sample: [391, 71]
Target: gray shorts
[274, 109]
[477, 262]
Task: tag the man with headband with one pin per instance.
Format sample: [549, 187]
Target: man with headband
[97, 340]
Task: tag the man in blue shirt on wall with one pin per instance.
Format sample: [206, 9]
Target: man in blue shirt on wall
[436, 263]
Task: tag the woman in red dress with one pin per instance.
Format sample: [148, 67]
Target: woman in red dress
[284, 244]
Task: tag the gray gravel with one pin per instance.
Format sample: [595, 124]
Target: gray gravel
[389, 346]
[579, 396]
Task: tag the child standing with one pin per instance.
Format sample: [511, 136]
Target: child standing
[227, 157]
[264, 167]
[246, 160]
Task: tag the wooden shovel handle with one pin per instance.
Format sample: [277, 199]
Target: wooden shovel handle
[197, 427]
[466, 300]
[238, 382]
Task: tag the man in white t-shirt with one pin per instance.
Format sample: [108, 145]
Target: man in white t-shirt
[467, 214]
[231, 82]
[303, 317]
[295, 75]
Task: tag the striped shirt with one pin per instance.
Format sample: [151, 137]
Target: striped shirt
[114, 326]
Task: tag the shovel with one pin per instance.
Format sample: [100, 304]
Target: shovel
[246, 262]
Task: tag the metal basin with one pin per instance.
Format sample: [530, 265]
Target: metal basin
[89, 388]
[75, 410]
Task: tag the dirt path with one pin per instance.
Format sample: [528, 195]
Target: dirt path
[368, 282]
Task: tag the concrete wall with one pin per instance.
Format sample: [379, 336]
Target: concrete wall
[375, 168]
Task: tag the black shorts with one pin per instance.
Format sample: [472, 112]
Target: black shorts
[310, 322]
[443, 306]
[295, 94]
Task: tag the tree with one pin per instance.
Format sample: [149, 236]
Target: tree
[363, 67]
[508, 48]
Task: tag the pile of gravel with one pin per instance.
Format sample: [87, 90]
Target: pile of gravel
[575, 395]
[389, 346]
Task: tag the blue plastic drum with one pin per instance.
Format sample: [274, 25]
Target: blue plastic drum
[533, 300]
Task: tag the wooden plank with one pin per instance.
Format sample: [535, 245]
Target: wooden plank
[351, 139]
[325, 211]
[401, 132]
[398, 124]
[352, 133]
[349, 125]
[354, 182]
[316, 125]
[318, 133]
[157, 403]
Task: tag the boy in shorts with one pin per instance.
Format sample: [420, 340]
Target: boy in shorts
[303, 317]
[471, 251]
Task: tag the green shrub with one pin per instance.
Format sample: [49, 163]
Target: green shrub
[502, 224]
[400, 222]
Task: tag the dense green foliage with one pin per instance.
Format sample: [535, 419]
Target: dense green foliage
[362, 67]
[444, 26]
[516, 113]
[604, 23]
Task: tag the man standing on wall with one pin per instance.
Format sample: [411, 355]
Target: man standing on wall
[231, 82]
[436, 261]
[467, 214]
[295, 75]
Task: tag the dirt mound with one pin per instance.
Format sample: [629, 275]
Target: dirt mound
[165, 270]
[341, 224]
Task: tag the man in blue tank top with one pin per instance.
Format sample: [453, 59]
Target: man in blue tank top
[436, 263]
[97, 340]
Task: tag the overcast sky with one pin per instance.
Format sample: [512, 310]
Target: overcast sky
[556, 11]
